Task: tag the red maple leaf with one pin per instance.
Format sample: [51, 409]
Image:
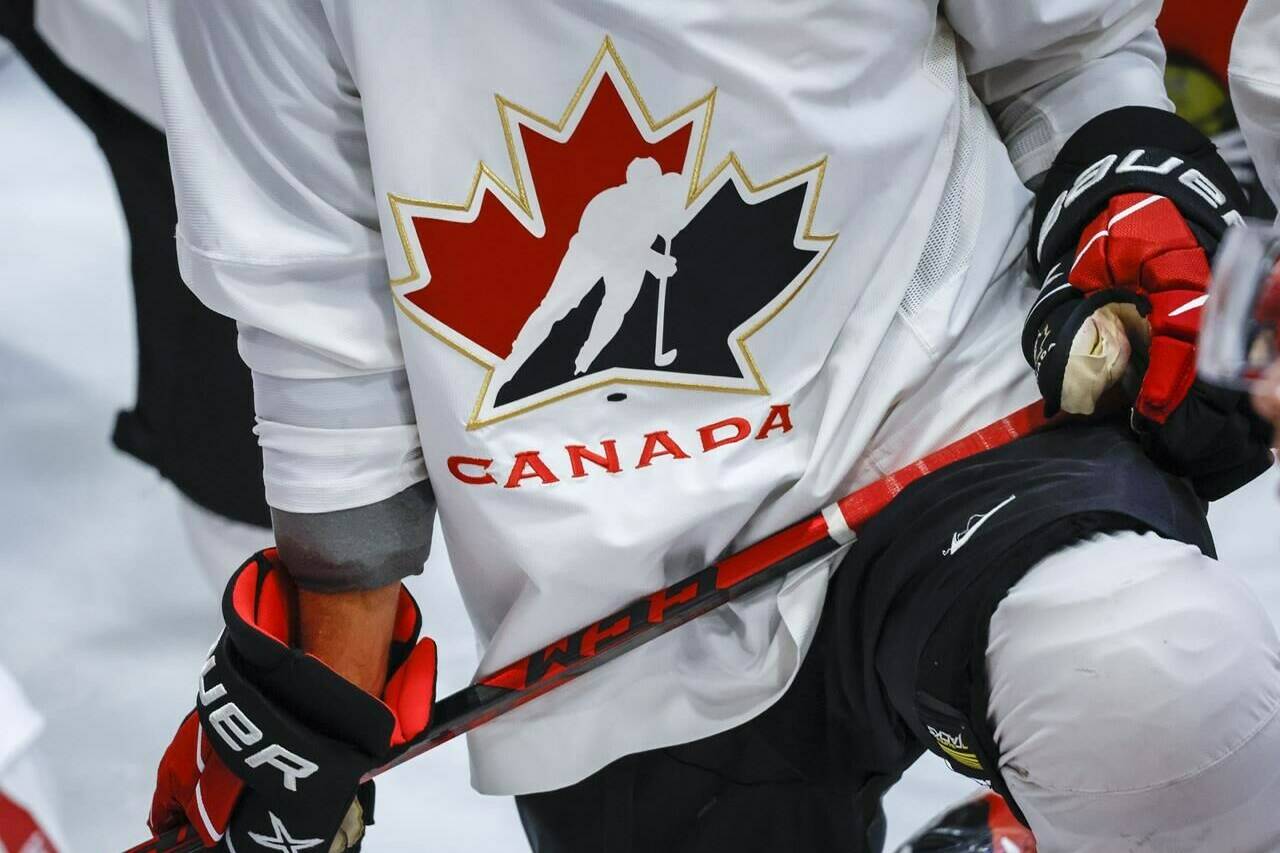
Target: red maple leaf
[488, 276]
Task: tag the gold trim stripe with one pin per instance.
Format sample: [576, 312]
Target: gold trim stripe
[968, 759]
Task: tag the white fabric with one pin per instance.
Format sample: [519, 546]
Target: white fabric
[297, 131]
[1135, 691]
[349, 440]
[1255, 87]
[357, 466]
[350, 402]
[22, 777]
[220, 544]
[1047, 68]
[26, 783]
[20, 724]
[105, 41]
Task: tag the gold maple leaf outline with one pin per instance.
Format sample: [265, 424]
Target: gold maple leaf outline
[519, 197]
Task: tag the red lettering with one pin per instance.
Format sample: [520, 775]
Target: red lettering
[741, 429]
[529, 464]
[593, 635]
[650, 451]
[456, 464]
[659, 602]
[555, 658]
[779, 418]
[609, 461]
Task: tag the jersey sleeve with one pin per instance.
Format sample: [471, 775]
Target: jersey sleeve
[1046, 67]
[278, 229]
[1255, 88]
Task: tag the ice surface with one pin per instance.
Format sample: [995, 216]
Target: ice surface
[103, 616]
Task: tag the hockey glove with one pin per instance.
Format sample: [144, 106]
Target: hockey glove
[1123, 235]
[273, 753]
[981, 823]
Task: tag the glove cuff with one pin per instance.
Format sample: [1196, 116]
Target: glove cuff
[1040, 329]
[259, 613]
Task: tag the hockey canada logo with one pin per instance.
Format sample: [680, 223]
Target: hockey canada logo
[612, 256]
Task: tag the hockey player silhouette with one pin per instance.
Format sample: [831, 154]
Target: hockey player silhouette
[614, 243]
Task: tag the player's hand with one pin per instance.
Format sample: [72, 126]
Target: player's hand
[1124, 249]
[275, 749]
[662, 266]
[1135, 282]
[1128, 303]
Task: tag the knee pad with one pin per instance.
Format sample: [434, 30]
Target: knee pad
[1127, 662]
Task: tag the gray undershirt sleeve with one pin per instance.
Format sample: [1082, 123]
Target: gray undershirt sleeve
[328, 443]
[364, 547]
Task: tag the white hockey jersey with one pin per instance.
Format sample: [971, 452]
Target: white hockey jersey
[664, 278]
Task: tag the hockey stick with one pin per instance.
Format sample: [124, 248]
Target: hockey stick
[662, 357]
[656, 614]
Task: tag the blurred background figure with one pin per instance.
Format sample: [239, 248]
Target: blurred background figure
[1255, 89]
[1266, 396]
[1245, 303]
[1241, 336]
[1254, 76]
[27, 821]
[193, 416]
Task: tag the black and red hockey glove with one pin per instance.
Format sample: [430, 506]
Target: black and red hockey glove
[272, 755]
[1125, 227]
[981, 823]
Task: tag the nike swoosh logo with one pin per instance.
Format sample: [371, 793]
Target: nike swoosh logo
[1190, 306]
[959, 540]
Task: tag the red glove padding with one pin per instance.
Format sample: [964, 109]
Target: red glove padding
[278, 741]
[193, 786]
[1141, 246]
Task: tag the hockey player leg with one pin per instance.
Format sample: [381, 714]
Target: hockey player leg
[1135, 693]
[577, 274]
[621, 289]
